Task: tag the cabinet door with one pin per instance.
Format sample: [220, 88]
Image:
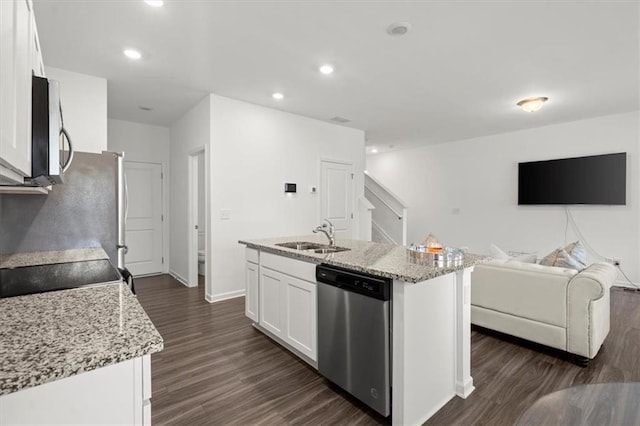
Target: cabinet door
[251, 298]
[271, 307]
[37, 64]
[301, 319]
[15, 86]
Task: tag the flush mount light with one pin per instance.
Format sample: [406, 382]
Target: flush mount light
[277, 96]
[326, 69]
[154, 3]
[398, 28]
[132, 54]
[532, 104]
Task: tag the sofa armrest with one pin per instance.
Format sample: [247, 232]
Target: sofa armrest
[588, 309]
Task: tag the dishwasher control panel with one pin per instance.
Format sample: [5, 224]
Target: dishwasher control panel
[357, 282]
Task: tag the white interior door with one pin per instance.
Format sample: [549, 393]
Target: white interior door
[336, 196]
[144, 220]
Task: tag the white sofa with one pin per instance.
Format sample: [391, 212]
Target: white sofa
[557, 307]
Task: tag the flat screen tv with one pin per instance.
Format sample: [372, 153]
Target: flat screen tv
[598, 179]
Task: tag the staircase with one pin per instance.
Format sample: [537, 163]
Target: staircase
[389, 218]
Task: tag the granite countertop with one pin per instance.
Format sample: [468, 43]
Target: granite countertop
[380, 259]
[50, 336]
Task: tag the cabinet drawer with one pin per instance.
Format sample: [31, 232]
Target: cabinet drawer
[294, 267]
[252, 255]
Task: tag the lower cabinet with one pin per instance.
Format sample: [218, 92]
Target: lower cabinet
[286, 308]
[252, 275]
[116, 394]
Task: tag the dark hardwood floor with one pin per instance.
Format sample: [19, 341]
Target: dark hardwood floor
[217, 369]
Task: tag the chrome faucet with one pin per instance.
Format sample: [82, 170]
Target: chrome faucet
[327, 229]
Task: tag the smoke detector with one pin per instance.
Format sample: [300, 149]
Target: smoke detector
[398, 28]
[144, 108]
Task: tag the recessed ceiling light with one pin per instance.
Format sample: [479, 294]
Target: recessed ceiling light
[132, 54]
[374, 150]
[398, 28]
[532, 104]
[278, 96]
[154, 3]
[326, 69]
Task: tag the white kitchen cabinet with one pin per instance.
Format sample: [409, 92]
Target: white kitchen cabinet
[17, 26]
[301, 316]
[116, 394]
[252, 277]
[252, 280]
[287, 308]
[271, 307]
[37, 64]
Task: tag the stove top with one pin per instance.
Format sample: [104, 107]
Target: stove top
[60, 276]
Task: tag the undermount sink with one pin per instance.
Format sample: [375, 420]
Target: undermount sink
[317, 248]
[330, 249]
[300, 245]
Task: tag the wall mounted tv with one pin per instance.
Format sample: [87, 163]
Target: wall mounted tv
[598, 179]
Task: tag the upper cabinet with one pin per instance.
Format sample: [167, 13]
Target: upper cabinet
[21, 58]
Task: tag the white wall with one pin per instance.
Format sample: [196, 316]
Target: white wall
[465, 192]
[149, 144]
[191, 131]
[84, 108]
[254, 151]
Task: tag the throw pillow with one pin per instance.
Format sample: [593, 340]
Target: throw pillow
[577, 251]
[550, 259]
[561, 259]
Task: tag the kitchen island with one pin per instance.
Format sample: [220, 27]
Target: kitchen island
[430, 313]
[75, 356]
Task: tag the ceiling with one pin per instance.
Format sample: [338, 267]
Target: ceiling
[456, 74]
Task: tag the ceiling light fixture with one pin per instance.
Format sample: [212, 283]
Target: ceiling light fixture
[532, 104]
[398, 28]
[132, 54]
[154, 3]
[277, 96]
[326, 69]
[374, 150]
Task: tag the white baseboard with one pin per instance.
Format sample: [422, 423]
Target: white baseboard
[179, 278]
[212, 298]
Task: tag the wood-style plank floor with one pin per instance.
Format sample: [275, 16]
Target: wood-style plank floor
[217, 369]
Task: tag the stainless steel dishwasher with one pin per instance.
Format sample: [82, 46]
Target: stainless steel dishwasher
[354, 346]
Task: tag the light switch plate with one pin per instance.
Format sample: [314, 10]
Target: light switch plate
[225, 214]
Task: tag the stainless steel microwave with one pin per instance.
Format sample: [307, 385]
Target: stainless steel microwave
[48, 159]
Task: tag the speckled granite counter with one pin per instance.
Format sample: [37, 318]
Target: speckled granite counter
[49, 336]
[385, 260]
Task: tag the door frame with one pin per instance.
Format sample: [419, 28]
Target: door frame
[192, 217]
[353, 193]
[164, 228]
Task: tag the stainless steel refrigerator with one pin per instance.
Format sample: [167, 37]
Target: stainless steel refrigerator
[88, 210]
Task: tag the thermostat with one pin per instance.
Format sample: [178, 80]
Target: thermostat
[290, 188]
